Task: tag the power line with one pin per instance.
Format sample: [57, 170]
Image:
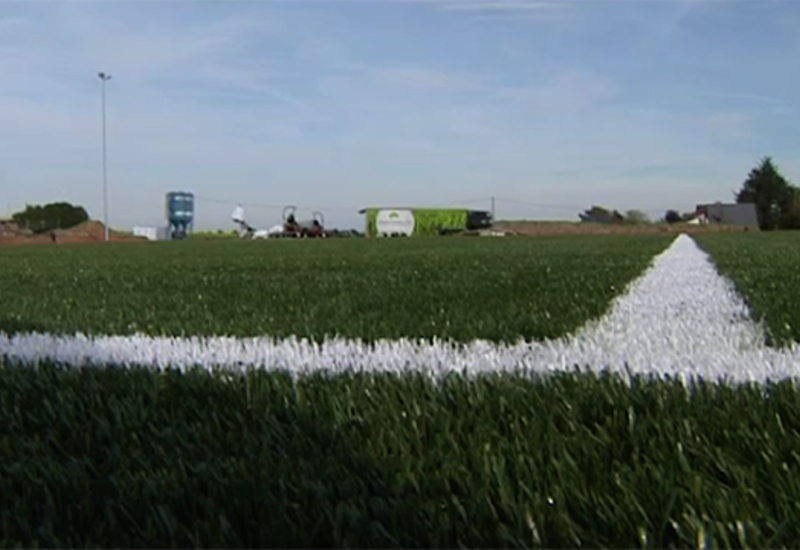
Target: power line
[354, 209]
[267, 206]
[452, 204]
[469, 201]
[579, 208]
[541, 205]
[234, 203]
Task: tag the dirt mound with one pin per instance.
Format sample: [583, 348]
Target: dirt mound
[587, 228]
[9, 228]
[89, 231]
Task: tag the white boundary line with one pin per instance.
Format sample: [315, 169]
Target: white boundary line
[679, 318]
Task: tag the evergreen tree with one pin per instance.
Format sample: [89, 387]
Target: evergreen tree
[773, 195]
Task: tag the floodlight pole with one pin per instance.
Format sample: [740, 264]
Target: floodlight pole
[104, 78]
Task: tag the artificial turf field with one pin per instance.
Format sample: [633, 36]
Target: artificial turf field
[113, 456]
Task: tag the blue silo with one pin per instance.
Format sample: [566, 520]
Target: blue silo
[180, 213]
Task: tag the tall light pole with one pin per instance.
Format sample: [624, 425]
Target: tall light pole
[104, 78]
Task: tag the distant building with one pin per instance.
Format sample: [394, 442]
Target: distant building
[730, 214]
[8, 227]
[152, 233]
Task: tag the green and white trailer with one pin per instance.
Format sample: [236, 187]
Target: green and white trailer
[411, 221]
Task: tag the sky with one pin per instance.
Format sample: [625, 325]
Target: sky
[551, 106]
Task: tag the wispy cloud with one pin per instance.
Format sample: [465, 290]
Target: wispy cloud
[742, 96]
[727, 124]
[248, 81]
[76, 37]
[271, 102]
[415, 146]
[570, 91]
[533, 17]
[535, 11]
[9, 22]
[418, 78]
[680, 13]
[499, 5]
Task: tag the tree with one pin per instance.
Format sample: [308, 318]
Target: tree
[791, 219]
[57, 215]
[773, 195]
[636, 216]
[672, 216]
[598, 214]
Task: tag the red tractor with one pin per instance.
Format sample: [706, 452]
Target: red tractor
[293, 228]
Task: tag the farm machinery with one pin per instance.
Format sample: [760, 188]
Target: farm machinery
[290, 228]
[315, 227]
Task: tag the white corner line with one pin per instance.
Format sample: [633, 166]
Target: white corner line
[680, 318]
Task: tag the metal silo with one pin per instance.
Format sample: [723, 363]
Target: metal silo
[180, 213]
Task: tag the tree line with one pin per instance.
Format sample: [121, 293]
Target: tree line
[776, 200]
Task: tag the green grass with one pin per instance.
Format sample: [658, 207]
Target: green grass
[765, 268]
[458, 288]
[226, 234]
[115, 458]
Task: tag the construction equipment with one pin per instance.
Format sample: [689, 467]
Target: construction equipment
[312, 228]
[245, 230]
[290, 228]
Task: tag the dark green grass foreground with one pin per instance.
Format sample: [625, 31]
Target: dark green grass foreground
[116, 458]
[451, 288]
[765, 268]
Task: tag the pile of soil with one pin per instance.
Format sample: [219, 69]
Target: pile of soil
[11, 229]
[588, 228]
[90, 231]
[87, 231]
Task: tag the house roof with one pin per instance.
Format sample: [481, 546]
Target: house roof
[734, 214]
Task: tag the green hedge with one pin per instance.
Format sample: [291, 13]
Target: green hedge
[427, 221]
[117, 458]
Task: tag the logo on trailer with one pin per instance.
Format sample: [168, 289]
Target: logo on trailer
[395, 222]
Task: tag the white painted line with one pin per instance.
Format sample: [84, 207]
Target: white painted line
[680, 318]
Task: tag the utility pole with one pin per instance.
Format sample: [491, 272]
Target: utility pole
[104, 78]
[493, 219]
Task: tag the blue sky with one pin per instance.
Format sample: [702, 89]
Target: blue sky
[334, 105]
